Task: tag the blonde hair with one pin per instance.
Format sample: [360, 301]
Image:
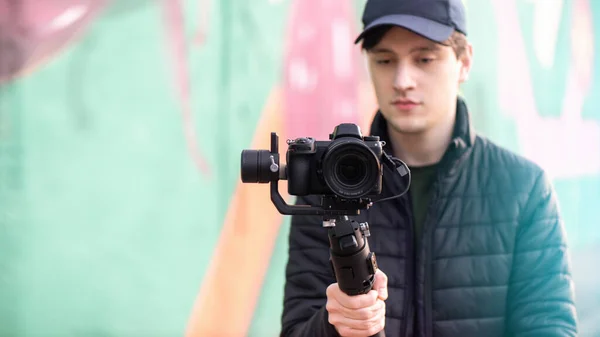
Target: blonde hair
[458, 42]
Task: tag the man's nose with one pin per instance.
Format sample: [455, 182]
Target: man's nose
[404, 79]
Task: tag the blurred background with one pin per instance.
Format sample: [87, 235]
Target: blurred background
[122, 123]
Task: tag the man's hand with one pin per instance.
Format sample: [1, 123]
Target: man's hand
[361, 315]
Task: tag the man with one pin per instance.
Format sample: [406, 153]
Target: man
[477, 248]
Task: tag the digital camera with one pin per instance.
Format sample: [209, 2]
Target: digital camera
[348, 165]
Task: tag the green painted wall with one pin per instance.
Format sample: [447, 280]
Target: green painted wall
[106, 225]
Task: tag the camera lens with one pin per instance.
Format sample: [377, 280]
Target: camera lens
[350, 169]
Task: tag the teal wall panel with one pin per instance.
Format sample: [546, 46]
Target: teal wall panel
[107, 227]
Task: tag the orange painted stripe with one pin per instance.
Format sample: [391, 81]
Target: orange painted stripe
[232, 284]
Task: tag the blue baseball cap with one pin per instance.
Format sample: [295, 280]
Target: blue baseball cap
[432, 19]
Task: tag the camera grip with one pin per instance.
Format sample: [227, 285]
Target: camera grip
[298, 172]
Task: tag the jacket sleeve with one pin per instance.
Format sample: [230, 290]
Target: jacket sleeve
[541, 290]
[307, 276]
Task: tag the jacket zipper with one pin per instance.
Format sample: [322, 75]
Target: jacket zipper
[409, 279]
[428, 231]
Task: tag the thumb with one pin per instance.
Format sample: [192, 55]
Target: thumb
[380, 284]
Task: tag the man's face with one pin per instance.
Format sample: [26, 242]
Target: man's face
[416, 80]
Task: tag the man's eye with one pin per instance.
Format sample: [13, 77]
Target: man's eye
[425, 60]
[383, 61]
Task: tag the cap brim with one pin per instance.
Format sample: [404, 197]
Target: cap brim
[429, 29]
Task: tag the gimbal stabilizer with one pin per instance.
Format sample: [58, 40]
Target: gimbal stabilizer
[353, 264]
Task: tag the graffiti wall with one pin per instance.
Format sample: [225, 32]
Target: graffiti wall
[122, 123]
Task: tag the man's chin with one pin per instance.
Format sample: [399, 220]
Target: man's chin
[408, 127]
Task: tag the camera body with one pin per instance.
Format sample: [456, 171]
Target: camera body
[347, 166]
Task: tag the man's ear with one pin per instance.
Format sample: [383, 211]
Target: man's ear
[465, 61]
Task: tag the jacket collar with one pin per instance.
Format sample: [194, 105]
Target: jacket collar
[463, 136]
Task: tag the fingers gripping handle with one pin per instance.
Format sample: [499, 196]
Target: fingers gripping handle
[353, 263]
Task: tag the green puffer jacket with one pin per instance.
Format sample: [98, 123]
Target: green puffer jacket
[492, 259]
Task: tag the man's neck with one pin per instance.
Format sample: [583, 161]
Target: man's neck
[422, 149]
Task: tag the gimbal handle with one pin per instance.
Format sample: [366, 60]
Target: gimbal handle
[352, 262]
